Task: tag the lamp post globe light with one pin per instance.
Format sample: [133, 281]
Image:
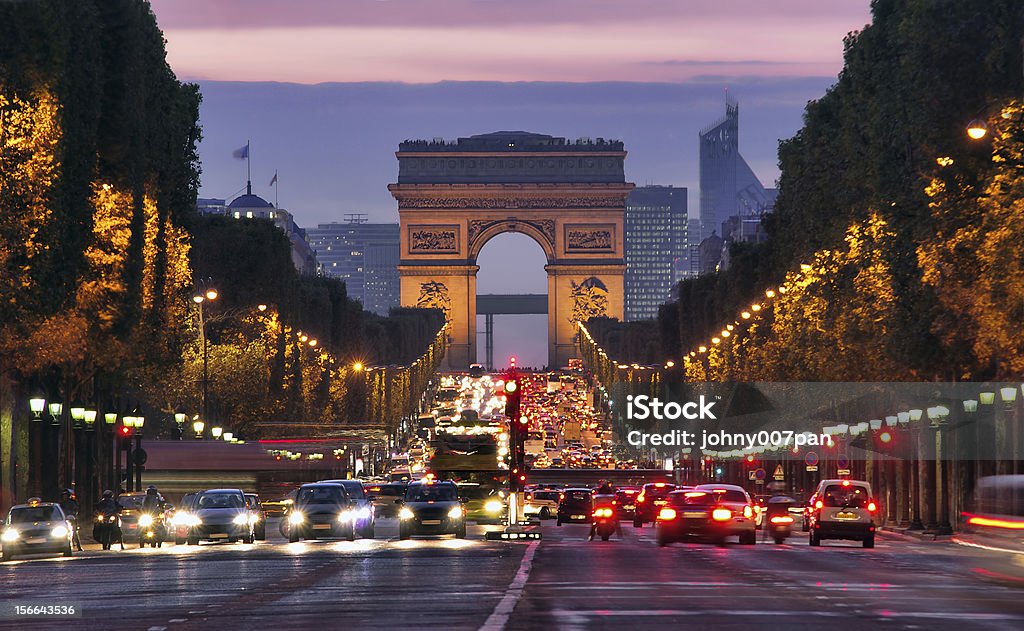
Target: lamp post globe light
[197, 427]
[216, 431]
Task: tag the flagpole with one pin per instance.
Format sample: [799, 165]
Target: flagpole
[276, 184]
[248, 167]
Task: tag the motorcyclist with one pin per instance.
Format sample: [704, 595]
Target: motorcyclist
[153, 503]
[604, 497]
[69, 505]
[106, 507]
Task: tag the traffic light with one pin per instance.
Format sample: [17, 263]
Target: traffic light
[512, 398]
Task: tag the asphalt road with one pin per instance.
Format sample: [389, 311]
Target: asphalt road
[564, 582]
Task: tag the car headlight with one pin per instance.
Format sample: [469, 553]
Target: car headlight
[345, 516]
[405, 513]
[10, 535]
[493, 506]
[145, 521]
[295, 518]
[241, 519]
[59, 532]
[455, 512]
[193, 520]
[363, 513]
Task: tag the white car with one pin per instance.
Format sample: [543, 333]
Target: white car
[542, 502]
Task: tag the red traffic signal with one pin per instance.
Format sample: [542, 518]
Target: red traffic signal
[126, 431]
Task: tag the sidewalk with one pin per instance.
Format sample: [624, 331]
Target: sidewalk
[920, 535]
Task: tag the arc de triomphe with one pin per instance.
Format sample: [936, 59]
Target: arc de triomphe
[569, 197]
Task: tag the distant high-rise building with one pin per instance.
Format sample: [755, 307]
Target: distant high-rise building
[728, 187]
[693, 232]
[656, 248]
[365, 256]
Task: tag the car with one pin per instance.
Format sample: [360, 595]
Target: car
[363, 509]
[625, 501]
[260, 515]
[220, 514]
[131, 510]
[542, 502]
[843, 509]
[712, 511]
[432, 508]
[576, 506]
[36, 527]
[484, 504]
[652, 497]
[384, 498]
[322, 509]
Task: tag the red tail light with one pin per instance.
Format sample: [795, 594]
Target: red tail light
[871, 507]
[603, 512]
[721, 514]
[667, 514]
[641, 498]
[529, 496]
[782, 519]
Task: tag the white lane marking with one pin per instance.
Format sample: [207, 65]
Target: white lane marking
[503, 610]
[601, 613]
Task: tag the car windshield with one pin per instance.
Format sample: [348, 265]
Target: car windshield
[354, 489]
[221, 500]
[852, 496]
[693, 498]
[321, 495]
[34, 513]
[131, 501]
[475, 492]
[425, 493]
[390, 491]
[546, 495]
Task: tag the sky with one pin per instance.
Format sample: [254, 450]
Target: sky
[326, 89]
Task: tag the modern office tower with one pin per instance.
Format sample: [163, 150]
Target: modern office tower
[365, 256]
[655, 247]
[728, 187]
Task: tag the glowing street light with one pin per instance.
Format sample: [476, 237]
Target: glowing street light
[977, 129]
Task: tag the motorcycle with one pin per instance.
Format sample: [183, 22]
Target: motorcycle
[107, 530]
[778, 520]
[605, 523]
[152, 529]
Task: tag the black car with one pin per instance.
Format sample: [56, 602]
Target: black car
[363, 508]
[322, 509]
[432, 508]
[652, 497]
[385, 498]
[220, 514]
[577, 505]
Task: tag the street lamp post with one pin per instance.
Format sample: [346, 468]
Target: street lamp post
[204, 293]
[138, 456]
[916, 466]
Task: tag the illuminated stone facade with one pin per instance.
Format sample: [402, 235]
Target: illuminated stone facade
[569, 197]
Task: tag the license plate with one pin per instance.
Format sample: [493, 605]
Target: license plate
[35, 540]
[844, 515]
[660, 502]
[219, 535]
[431, 522]
[628, 507]
[693, 514]
[321, 526]
[579, 517]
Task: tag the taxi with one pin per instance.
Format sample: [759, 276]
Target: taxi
[36, 527]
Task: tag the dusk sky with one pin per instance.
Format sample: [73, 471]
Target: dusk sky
[326, 89]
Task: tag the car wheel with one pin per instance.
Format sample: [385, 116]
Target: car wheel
[192, 541]
[283, 528]
[545, 513]
[663, 539]
[7, 554]
[351, 534]
[179, 540]
[403, 533]
[293, 538]
[638, 523]
[869, 542]
[606, 537]
[748, 538]
[249, 538]
[261, 533]
[67, 550]
[779, 540]
[814, 541]
[559, 521]
[367, 533]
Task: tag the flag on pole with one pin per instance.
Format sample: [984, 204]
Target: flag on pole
[273, 180]
[242, 153]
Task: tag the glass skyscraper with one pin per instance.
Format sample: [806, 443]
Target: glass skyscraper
[657, 256]
[365, 256]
